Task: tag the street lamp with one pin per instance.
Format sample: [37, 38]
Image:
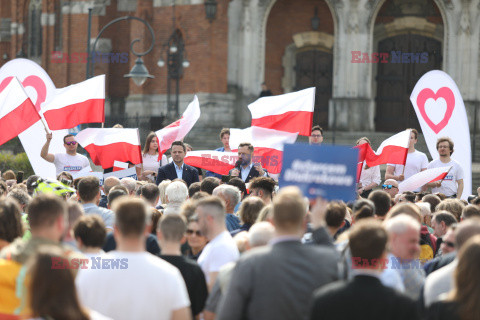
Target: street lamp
[139, 72]
[176, 60]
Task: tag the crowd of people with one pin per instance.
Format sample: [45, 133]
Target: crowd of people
[181, 244]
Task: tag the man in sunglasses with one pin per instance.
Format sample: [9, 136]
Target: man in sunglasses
[390, 186]
[70, 161]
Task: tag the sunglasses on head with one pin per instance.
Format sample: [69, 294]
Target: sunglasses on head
[388, 186]
[71, 143]
[190, 232]
[449, 244]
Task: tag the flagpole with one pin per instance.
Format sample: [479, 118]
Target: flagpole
[44, 125]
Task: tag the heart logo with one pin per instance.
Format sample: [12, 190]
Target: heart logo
[449, 98]
[31, 81]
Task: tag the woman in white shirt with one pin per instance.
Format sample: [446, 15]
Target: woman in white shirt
[369, 177]
[150, 158]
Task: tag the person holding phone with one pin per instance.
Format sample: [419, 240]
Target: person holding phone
[245, 169]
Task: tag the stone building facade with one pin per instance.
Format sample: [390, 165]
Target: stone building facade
[289, 44]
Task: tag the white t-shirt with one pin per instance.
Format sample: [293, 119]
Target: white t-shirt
[141, 287]
[150, 162]
[68, 163]
[449, 184]
[416, 161]
[217, 253]
[370, 175]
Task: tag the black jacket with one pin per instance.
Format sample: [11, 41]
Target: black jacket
[190, 174]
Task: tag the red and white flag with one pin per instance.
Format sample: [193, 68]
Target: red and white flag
[17, 112]
[106, 146]
[79, 103]
[291, 112]
[393, 150]
[267, 143]
[214, 161]
[119, 165]
[179, 129]
[422, 178]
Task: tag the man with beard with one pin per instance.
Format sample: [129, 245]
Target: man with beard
[245, 169]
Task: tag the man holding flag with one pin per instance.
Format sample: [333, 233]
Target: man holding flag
[452, 184]
[70, 161]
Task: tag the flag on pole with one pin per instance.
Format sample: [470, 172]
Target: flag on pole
[393, 150]
[79, 103]
[268, 145]
[106, 146]
[363, 149]
[178, 129]
[422, 178]
[17, 112]
[214, 161]
[291, 112]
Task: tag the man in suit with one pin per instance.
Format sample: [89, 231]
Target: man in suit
[246, 169]
[364, 297]
[277, 281]
[178, 169]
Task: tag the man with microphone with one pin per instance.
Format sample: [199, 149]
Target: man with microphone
[244, 168]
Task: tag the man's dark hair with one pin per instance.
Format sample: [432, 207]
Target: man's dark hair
[264, 183]
[88, 188]
[44, 210]
[30, 181]
[173, 227]
[317, 128]
[179, 143]
[150, 192]
[419, 195]
[131, 216]
[445, 216]
[446, 139]
[116, 193]
[246, 144]
[362, 209]
[3, 188]
[335, 214]
[382, 201]
[415, 132]
[10, 220]
[68, 135]
[209, 183]
[409, 196]
[223, 132]
[194, 188]
[434, 200]
[200, 195]
[470, 211]
[239, 183]
[91, 230]
[368, 240]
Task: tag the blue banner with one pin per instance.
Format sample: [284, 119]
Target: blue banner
[325, 171]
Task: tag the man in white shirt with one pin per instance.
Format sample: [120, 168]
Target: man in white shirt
[221, 249]
[452, 184]
[70, 161]
[416, 161]
[137, 284]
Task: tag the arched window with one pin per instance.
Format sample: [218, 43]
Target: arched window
[34, 28]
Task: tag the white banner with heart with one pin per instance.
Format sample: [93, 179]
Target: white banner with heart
[41, 90]
[441, 112]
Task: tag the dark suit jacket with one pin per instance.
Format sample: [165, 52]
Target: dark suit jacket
[252, 174]
[363, 297]
[277, 282]
[190, 174]
[443, 310]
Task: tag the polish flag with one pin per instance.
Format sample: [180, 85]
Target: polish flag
[393, 150]
[79, 103]
[106, 146]
[267, 143]
[17, 112]
[362, 153]
[179, 129]
[119, 165]
[422, 178]
[291, 112]
[214, 161]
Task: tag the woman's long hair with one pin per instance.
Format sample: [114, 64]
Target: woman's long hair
[146, 147]
[52, 292]
[467, 280]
